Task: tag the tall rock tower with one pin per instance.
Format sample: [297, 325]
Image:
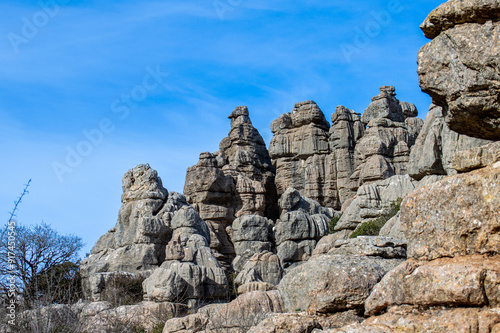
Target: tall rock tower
[235, 181]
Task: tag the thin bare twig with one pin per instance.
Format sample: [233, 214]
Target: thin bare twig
[18, 201]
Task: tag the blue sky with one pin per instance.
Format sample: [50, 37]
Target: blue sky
[127, 82]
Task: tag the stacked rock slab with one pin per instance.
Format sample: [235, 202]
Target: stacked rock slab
[302, 223]
[384, 149]
[301, 154]
[235, 181]
[136, 245]
[435, 146]
[250, 234]
[453, 245]
[342, 279]
[346, 130]
[158, 237]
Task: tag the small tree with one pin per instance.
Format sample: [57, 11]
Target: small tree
[40, 253]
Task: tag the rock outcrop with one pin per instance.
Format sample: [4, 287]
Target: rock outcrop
[159, 238]
[261, 267]
[136, 245]
[455, 216]
[333, 283]
[459, 67]
[436, 145]
[346, 130]
[237, 316]
[250, 234]
[190, 273]
[235, 181]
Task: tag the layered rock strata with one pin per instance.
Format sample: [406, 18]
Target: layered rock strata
[301, 154]
[436, 145]
[328, 164]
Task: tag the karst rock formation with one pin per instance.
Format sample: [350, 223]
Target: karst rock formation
[260, 241]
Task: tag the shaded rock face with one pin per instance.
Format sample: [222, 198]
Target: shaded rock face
[436, 145]
[302, 223]
[459, 67]
[328, 164]
[137, 243]
[235, 181]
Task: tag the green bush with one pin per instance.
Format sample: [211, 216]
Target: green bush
[372, 228]
[333, 223]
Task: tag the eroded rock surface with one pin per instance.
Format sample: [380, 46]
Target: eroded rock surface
[302, 223]
[459, 67]
[330, 283]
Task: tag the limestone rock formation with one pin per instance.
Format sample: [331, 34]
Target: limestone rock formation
[435, 146]
[136, 245]
[305, 323]
[235, 181]
[467, 281]
[436, 319]
[476, 158]
[385, 105]
[459, 67]
[300, 153]
[302, 223]
[371, 246]
[384, 149]
[455, 216]
[328, 164]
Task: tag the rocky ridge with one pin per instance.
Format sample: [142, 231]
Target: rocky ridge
[264, 216]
